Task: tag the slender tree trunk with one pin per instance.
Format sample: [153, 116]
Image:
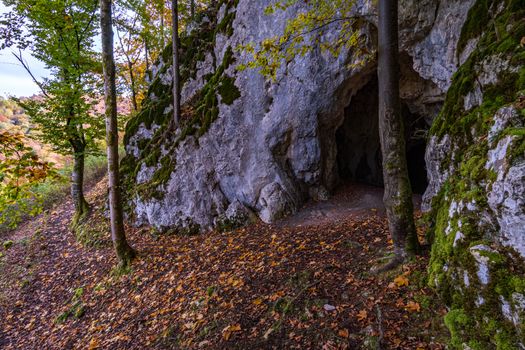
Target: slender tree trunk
[146, 56]
[192, 10]
[398, 193]
[175, 67]
[77, 188]
[124, 252]
[131, 75]
[163, 41]
[133, 92]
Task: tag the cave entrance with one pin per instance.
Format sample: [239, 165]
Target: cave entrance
[358, 147]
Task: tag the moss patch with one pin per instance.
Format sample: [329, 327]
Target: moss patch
[453, 118]
[478, 19]
[228, 91]
[95, 232]
[225, 26]
[7, 244]
[194, 47]
[75, 310]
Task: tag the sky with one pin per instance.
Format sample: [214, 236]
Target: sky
[14, 80]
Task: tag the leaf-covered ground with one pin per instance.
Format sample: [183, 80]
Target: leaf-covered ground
[284, 286]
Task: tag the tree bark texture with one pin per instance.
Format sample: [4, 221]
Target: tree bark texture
[77, 188]
[146, 55]
[398, 192]
[175, 67]
[124, 252]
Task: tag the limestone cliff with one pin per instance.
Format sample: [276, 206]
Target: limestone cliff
[253, 146]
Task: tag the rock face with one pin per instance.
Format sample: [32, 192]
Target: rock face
[476, 166]
[274, 145]
[251, 147]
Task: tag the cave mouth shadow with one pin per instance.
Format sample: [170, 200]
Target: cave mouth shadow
[358, 147]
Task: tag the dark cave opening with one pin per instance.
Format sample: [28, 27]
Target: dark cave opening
[358, 147]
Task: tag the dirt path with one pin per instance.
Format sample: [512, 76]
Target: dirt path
[301, 284]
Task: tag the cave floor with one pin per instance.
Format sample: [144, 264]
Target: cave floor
[302, 285]
[350, 200]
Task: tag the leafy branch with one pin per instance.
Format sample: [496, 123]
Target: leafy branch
[270, 54]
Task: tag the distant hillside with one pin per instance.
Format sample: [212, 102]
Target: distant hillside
[14, 119]
[12, 116]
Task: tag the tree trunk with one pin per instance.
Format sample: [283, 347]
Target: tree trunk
[146, 56]
[124, 252]
[192, 9]
[398, 193]
[175, 67]
[163, 41]
[77, 188]
[131, 74]
[133, 92]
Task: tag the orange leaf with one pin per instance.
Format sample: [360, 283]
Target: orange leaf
[343, 333]
[362, 315]
[401, 281]
[276, 296]
[93, 344]
[227, 331]
[413, 307]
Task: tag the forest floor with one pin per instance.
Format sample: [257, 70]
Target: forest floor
[303, 283]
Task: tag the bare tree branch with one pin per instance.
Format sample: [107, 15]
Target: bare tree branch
[28, 70]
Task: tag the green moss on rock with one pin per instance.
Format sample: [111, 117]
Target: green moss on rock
[198, 114]
[478, 19]
[228, 91]
[453, 118]
[7, 244]
[476, 318]
[225, 26]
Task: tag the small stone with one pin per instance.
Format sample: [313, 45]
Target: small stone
[328, 307]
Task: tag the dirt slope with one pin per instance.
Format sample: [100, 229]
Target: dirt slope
[303, 283]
